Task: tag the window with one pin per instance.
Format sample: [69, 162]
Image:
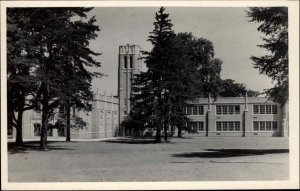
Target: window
[195, 110]
[237, 109]
[255, 109]
[201, 126]
[274, 109]
[264, 125]
[196, 126]
[268, 109]
[265, 109]
[262, 109]
[219, 111]
[131, 61]
[219, 126]
[125, 112]
[224, 126]
[37, 129]
[255, 126]
[237, 126]
[268, 126]
[228, 126]
[230, 109]
[189, 110]
[125, 61]
[224, 109]
[201, 109]
[227, 109]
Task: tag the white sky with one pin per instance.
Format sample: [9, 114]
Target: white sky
[233, 37]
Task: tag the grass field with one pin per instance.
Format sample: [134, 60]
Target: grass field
[189, 159]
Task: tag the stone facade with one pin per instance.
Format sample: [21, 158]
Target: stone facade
[102, 121]
[129, 64]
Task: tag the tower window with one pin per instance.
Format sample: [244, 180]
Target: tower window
[125, 61]
[131, 61]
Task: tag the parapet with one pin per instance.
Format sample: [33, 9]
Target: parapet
[129, 49]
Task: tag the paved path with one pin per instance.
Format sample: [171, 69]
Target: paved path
[193, 159]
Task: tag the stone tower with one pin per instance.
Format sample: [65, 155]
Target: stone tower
[129, 64]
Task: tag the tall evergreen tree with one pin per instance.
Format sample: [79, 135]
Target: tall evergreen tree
[274, 24]
[153, 85]
[21, 83]
[180, 68]
[60, 48]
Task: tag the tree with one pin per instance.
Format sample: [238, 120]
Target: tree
[69, 54]
[184, 81]
[60, 46]
[229, 88]
[21, 84]
[196, 74]
[274, 24]
[77, 96]
[152, 86]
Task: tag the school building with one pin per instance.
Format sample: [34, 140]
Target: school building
[221, 116]
[237, 116]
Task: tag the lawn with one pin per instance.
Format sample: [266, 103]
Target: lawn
[189, 159]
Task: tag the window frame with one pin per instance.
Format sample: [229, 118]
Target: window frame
[201, 126]
[221, 125]
[190, 110]
[221, 108]
[274, 109]
[259, 129]
[190, 125]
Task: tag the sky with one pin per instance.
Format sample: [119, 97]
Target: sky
[235, 39]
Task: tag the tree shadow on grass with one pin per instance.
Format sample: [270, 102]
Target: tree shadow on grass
[132, 141]
[140, 140]
[225, 153]
[12, 148]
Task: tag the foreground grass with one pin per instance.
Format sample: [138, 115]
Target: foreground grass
[193, 159]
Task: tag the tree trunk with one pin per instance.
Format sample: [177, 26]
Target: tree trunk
[165, 132]
[158, 137]
[43, 141]
[19, 129]
[45, 116]
[10, 118]
[68, 122]
[179, 131]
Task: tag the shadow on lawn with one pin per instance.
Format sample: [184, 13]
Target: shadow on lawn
[12, 148]
[132, 141]
[224, 153]
[140, 140]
